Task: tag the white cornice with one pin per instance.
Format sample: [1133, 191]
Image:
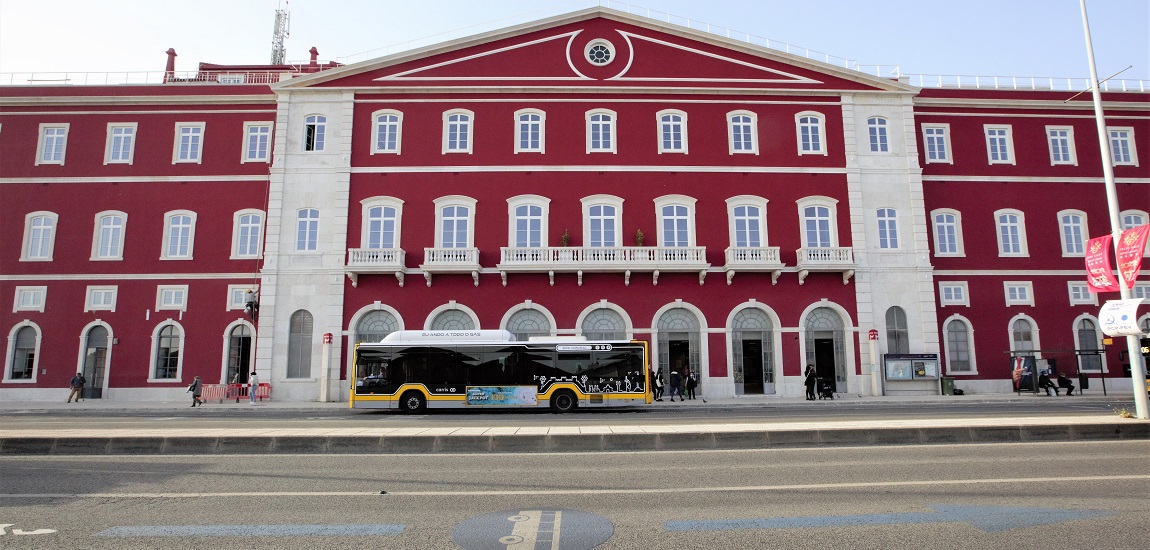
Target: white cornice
[270, 98]
[517, 100]
[138, 179]
[137, 112]
[1025, 179]
[598, 168]
[128, 276]
[1030, 104]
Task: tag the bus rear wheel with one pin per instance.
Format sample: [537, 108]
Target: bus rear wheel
[412, 402]
[563, 401]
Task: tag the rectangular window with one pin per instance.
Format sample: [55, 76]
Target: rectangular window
[52, 144]
[747, 227]
[257, 141]
[174, 297]
[314, 128]
[1019, 293]
[101, 298]
[121, 143]
[1141, 290]
[602, 224]
[307, 230]
[1122, 151]
[937, 143]
[887, 228]
[529, 133]
[1061, 142]
[876, 128]
[742, 134]
[528, 225]
[999, 144]
[953, 294]
[238, 296]
[454, 223]
[1080, 295]
[189, 142]
[30, 298]
[817, 226]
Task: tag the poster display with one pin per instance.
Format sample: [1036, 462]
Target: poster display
[911, 366]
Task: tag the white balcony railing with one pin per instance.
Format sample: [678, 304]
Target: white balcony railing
[825, 259]
[552, 259]
[374, 260]
[450, 260]
[753, 258]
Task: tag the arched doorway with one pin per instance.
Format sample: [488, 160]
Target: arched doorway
[679, 344]
[752, 351]
[824, 346]
[95, 362]
[239, 354]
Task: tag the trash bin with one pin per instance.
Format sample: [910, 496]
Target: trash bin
[948, 385]
[1083, 382]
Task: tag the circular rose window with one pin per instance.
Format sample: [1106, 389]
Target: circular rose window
[600, 52]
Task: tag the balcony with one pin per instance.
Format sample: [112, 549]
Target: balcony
[450, 260]
[362, 261]
[625, 259]
[838, 259]
[762, 259]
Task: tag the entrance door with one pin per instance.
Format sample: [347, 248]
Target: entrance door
[753, 367]
[95, 362]
[825, 360]
[239, 355]
[679, 356]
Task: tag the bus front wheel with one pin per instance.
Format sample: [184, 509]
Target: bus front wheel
[412, 402]
[563, 401]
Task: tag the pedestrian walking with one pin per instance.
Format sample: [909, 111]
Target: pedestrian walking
[197, 389]
[676, 385]
[656, 385]
[77, 386]
[253, 386]
[810, 378]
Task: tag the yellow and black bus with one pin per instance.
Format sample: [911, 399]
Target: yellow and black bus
[477, 369]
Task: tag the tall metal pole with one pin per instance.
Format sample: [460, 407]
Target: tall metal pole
[1137, 369]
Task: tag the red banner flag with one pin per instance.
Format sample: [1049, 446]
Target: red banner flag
[1099, 274]
[1130, 247]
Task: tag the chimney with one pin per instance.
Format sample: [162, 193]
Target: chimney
[170, 68]
[314, 56]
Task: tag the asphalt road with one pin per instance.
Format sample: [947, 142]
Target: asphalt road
[1041, 495]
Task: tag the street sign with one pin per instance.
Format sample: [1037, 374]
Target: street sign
[1120, 317]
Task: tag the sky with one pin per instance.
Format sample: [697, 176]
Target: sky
[1033, 38]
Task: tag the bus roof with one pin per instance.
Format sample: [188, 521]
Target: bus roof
[449, 336]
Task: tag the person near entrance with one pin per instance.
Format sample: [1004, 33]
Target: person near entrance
[810, 378]
[253, 386]
[77, 386]
[656, 385]
[676, 385]
[197, 389]
[690, 383]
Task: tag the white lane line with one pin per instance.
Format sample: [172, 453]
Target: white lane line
[728, 489]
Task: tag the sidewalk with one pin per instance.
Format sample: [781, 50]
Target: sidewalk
[557, 437]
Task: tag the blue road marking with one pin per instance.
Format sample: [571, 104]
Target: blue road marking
[991, 519]
[251, 530]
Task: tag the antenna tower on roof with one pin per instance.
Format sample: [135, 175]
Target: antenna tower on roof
[279, 33]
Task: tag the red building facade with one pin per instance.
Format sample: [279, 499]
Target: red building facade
[746, 211]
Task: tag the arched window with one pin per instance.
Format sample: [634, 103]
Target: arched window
[375, 325]
[1011, 233]
[457, 131]
[22, 364]
[39, 236]
[1089, 357]
[315, 126]
[299, 345]
[1022, 337]
[672, 131]
[600, 131]
[947, 233]
[604, 324]
[530, 131]
[307, 230]
[876, 128]
[809, 126]
[897, 335]
[742, 134]
[388, 131]
[1072, 225]
[959, 359]
[526, 323]
[887, 228]
[168, 346]
[453, 319]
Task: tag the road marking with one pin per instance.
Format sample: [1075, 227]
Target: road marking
[990, 519]
[250, 530]
[557, 491]
[4, 526]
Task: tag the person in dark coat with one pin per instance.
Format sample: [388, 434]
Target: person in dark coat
[1045, 383]
[676, 385]
[197, 389]
[810, 378]
[1064, 382]
[77, 386]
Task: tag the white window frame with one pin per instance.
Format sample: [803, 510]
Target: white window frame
[820, 126]
[165, 250]
[377, 126]
[612, 131]
[665, 131]
[116, 132]
[11, 351]
[155, 348]
[1052, 145]
[1034, 333]
[97, 235]
[1083, 234]
[887, 225]
[261, 131]
[1023, 251]
[514, 203]
[469, 125]
[969, 339]
[112, 291]
[59, 133]
[1098, 336]
[732, 227]
[240, 292]
[29, 298]
[1007, 143]
[1084, 298]
[315, 126]
[172, 291]
[237, 237]
[1141, 290]
[960, 250]
[524, 125]
[815, 201]
[366, 205]
[961, 286]
[603, 200]
[1128, 139]
[26, 246]
[944, 136]
[753, 131]
[661, 217]
[310, 245]
[878, 138]
[455, 200]
[1126, 221]
[193, 134]
[1026, 287]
